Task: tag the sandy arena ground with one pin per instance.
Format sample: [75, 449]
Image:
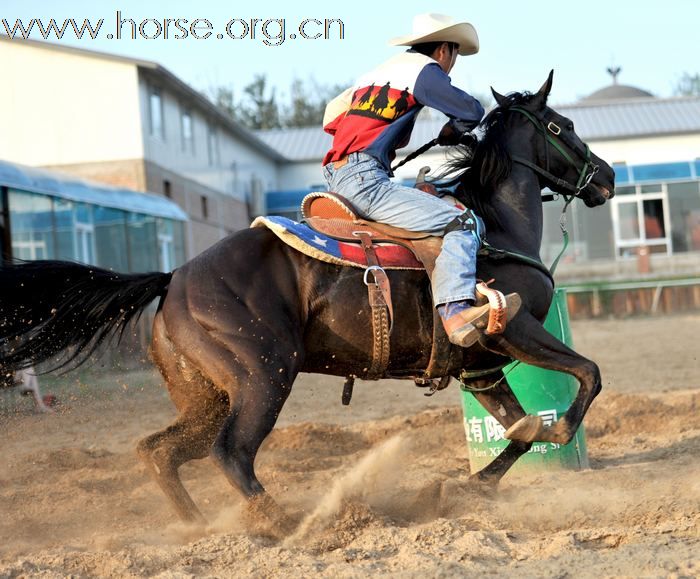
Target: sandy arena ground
[378, 488]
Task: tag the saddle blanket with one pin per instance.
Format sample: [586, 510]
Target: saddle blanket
[309, 242]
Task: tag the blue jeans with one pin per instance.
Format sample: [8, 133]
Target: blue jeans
[365, 183]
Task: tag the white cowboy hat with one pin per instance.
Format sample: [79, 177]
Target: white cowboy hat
[440, 28]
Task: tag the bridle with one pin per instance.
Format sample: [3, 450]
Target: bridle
[552, 134]
[550, 130]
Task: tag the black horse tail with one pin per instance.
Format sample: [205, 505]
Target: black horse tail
[59, 312]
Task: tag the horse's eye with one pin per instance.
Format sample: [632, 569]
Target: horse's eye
[570, 127]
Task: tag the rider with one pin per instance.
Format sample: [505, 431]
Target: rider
[372, 119]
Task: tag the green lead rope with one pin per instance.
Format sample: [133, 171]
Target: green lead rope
[565, 235]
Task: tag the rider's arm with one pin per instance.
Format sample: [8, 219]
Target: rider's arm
[434, 89]
[336, 109]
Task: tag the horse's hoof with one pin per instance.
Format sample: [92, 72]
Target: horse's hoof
[560, 432]
[265, 517]
[527, 429]
[483, 487]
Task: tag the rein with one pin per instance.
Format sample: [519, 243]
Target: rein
[586, 174]
[417, 153]
[588, 169]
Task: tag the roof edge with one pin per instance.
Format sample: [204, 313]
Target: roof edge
[174, 210]
[624, 101]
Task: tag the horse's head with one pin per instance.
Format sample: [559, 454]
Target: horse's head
[546, 142]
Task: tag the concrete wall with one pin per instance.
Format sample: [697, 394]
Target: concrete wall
[224, 213]
[236, 164]
[300, 175]
[129, 173]
[60, 108]
[640, 151]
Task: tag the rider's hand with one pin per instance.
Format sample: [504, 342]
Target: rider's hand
[427, 188]
[469, 140]
[448, 136]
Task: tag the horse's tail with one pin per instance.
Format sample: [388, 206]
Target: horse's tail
[60, 312]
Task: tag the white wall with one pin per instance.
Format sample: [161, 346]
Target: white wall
[300, 175]
[58, 107]
[648, 150]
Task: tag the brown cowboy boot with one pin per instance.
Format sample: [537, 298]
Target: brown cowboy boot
[464, 328]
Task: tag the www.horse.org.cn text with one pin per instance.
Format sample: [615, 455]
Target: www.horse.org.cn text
[268, 31]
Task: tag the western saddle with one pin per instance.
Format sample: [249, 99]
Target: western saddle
[332, 215]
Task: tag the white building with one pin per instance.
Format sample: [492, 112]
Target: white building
[133, 124]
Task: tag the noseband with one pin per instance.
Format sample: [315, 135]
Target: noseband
[552, 133]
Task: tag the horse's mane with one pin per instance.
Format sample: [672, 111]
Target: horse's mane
[477, 174]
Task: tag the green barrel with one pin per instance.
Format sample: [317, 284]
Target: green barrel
[542, 392]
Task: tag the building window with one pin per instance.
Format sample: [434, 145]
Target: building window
[155, 108]
[187, 131]
[205, 207]
[142, 240]
[212, 145]
[84, 233]
[641, 220]
[684, 202]
[167, 245]
[167, 190]
[257, 197]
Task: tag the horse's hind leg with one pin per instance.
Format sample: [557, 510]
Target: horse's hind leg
[504, 407]
[257, 404]
[202, 410]
[257, 377]
[526, 340]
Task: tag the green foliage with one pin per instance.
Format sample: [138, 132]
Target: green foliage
[688, 85]
[259, 107]
[307, 103]
[260, 110]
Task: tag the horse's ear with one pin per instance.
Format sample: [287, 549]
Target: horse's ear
[500, 99]
[541, 96]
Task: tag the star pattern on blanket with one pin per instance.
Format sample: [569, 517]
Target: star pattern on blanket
[317, 245]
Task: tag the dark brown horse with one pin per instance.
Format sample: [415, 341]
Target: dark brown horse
[238, 323]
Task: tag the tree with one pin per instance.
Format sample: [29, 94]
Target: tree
[688, 85]
[306, 107]
[222, 96]
[259, 108]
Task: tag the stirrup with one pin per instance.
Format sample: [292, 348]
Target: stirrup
[468, 333]
[498, 308]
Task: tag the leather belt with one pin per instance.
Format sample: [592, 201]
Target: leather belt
[340, 162]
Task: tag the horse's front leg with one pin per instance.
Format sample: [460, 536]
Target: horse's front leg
[526, 340]
[503, 405]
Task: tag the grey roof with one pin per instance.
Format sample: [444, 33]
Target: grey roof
[312, 143]
[617, 91]
[594, 120]
[630, 118]
[163, 74]
[71, 188]
[299, 144]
